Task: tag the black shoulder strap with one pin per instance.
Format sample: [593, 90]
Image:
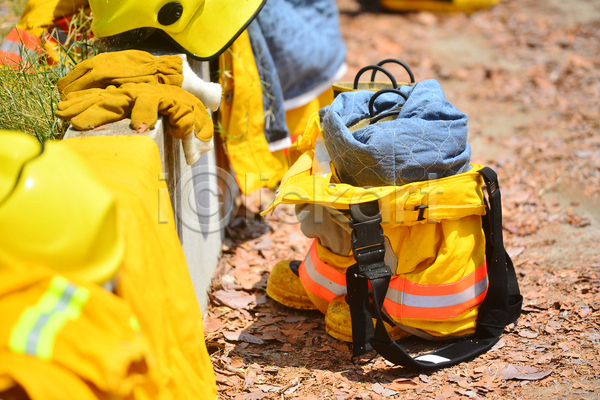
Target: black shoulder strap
[501, 306]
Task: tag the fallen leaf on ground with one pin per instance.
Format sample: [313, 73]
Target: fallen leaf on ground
[520, 373]
[379, 389]
[241, 336]
[235, 299]
[212, 324]
[528, 334]
[258, 395]
[402, 384]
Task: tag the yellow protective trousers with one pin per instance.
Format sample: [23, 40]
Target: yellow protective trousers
[435, 243]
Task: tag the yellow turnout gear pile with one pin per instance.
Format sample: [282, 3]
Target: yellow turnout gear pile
[139, 335]
[423, 258]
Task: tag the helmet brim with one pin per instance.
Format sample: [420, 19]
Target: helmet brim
[209, 32]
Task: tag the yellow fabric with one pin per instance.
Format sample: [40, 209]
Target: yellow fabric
[428, 254]
[242, 121]
[93, 354]
[339, 324]
[117, 68]
[154, 279]
[445, 246]
[185, 113]
[297, 118]
[437, 6]
[40, 14]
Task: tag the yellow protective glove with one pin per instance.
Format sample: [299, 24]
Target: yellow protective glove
[118, 68]
[184, 112]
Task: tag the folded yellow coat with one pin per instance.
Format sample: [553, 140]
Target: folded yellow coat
[154, 279]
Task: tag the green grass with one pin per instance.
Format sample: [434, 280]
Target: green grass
[28, 91]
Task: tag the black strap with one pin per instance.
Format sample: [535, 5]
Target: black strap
[369, 251]
[501, 306]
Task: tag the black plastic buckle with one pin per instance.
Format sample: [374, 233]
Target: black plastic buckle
[369, 258]
[367, 239]
[366, 233]
[492, 187]
[421, 209]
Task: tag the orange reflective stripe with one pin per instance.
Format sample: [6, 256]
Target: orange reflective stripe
[436, 301]
[402, 311]
[25, 38]
[315, 276]
[8, 57]
[404, 299]
[406, 286]
[323, 268]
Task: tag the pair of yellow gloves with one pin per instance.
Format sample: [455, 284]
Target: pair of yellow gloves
[113, 86]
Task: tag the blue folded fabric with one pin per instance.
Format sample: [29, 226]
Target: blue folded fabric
[428, 139]
[305, 41]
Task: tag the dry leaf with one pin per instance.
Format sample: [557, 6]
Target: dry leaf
[342, 347]
[211, 325]
[241, 336]
[234, 298]
[528, 334]
[257, 395]
[514, 372]
[402, 384]
[379, 389]
[248, 278]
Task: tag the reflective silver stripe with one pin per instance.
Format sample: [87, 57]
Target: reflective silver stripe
[447, 300]
[11, 47]
[16, 48]
[316, 277]
[35, 333]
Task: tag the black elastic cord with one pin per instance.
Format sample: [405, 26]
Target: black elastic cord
[20, 174]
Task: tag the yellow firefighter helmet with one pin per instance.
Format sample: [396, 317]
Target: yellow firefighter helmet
[54, 212]
[203, 28]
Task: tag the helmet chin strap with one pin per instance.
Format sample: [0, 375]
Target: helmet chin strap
[124, 41]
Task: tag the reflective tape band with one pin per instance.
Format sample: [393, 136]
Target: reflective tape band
[400, 304]
[405, 286]
[401, 311]
[37, 327]
[412, 300]
[404, 299]
[315, 276]
[25, 38]
[324, 269]
[17, 43]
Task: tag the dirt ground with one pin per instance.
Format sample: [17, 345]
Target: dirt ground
[527, 73]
